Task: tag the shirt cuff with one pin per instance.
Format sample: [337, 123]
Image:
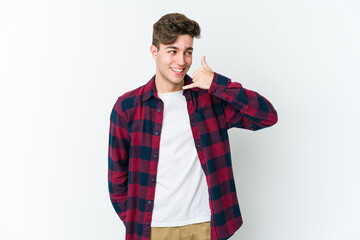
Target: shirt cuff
[218, 84]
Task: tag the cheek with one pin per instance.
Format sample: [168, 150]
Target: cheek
[167, 60]
[189, 61]
[163, 61]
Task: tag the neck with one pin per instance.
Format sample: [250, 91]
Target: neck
[166, 86]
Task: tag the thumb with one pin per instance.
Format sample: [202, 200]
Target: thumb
[203, 63]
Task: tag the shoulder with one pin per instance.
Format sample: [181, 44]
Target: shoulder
[129, 99]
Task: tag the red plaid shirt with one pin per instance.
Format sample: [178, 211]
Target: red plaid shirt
[134, 141]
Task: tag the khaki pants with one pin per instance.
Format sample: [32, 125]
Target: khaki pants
[197, 231]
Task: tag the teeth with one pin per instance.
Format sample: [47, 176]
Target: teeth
[177, 70]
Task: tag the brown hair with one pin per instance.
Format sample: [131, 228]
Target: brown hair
[167, 29]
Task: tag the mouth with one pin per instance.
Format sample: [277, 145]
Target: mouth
[177, 71]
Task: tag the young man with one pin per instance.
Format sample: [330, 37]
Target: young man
[170, 173]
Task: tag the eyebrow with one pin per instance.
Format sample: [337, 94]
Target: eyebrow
[173, 47]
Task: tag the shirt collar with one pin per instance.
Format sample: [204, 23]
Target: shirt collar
[150, 87]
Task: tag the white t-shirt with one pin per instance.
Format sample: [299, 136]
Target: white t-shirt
[181, 192]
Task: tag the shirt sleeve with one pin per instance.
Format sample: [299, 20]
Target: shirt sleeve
[118, 160]
[243, 108]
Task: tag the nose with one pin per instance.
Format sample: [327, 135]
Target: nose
[181, 60]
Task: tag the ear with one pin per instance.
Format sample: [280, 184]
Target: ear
[153, 51]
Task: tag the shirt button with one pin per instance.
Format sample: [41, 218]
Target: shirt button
[213, 91]
[193, 123]
[147, 223]
[157, 133]
[149, 202]
[153, 179]
[159, 110]
[155, 156]
[198, 145]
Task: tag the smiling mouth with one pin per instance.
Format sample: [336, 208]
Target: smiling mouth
[177, 70]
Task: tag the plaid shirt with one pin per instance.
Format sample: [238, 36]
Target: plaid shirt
[134, 141]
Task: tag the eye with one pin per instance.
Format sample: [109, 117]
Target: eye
[189, 53]
[172, 51]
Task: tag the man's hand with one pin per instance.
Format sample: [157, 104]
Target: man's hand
[202, 77]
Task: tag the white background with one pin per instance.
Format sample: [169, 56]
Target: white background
[64, 63]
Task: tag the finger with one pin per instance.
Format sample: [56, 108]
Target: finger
[196, 72]
[192, 85]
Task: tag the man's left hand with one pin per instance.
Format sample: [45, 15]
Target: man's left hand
[202, 77]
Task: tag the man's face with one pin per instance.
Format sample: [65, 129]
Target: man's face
[174, 60]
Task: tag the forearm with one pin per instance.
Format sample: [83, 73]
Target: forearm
[249, 107]
[118, 162]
